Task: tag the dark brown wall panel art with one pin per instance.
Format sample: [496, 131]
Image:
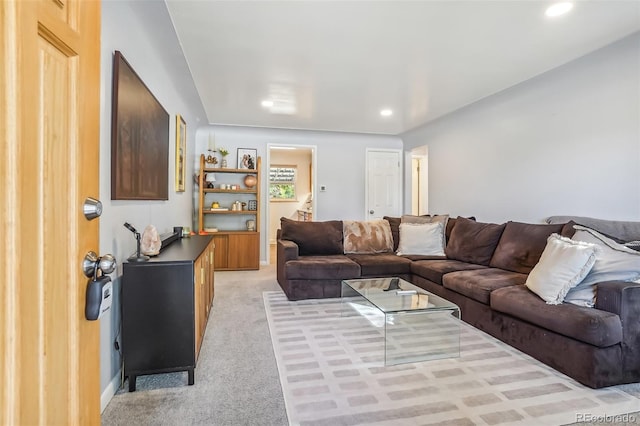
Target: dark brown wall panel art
[139, 138]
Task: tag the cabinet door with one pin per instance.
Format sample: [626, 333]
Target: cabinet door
[212, 250]
[158, 316]
[221, 257]
[244, 251]
[200, 307]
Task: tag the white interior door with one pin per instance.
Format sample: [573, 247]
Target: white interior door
[384, 184]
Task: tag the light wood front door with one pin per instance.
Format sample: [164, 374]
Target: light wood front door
[49, 120]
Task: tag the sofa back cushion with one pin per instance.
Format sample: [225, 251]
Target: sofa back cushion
[521, 245]
[473, 242]
[394, 224]
[618, 229]
[450, 224]
[313, 238]
[372, 236]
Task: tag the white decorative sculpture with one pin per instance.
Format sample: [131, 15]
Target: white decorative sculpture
[150, 243]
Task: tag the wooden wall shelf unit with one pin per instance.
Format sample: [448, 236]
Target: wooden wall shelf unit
[236, 247]
[165, 308]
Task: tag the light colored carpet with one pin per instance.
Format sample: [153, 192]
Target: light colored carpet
[236, 378]
[332, 373]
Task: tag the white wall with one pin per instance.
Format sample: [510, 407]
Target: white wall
[566, 142]
[143, 32]
[340, 160]
[302, 160]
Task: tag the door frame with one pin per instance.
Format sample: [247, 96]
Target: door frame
[399, 207]
[423, 184]
[314, 184]
[422, 153]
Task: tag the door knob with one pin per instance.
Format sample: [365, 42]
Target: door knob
[370, 211]
[92, 263]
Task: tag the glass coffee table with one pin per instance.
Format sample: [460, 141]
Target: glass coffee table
[417, 325]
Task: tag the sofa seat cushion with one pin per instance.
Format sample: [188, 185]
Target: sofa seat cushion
[521, 245]
[322, 267]
[588, 325]
[479, 284]
[433, 270]
[381, 264]
[423, 257]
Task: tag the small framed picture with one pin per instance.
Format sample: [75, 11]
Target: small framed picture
[247, 158]
[253, 205]
[181, 152]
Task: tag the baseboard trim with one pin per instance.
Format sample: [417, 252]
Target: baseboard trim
[110, 391]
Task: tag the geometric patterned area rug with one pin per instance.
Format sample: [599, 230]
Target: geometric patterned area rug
[332, 372]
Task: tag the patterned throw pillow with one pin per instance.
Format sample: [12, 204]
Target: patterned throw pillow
[372, 236]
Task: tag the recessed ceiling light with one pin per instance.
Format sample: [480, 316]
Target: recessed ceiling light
[558, 9]
[386, 112]
[267, 104]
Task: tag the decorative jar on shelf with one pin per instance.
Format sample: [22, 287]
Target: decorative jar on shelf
[250, 181]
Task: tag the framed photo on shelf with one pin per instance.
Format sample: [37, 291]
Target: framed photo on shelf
[181, 152]
[247, 158]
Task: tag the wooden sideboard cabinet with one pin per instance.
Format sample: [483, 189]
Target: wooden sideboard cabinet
[165, 307]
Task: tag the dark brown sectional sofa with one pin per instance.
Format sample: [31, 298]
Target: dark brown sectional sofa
[484, 272]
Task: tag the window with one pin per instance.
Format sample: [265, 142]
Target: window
[282, 183]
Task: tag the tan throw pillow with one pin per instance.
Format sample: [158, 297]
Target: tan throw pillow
[421, 239]
[563, 264]
[372, 236]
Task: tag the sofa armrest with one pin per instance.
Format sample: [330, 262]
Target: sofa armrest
[623, 298]
[286, 251]
[619, 297]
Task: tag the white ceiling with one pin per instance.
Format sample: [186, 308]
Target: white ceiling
[334, 65]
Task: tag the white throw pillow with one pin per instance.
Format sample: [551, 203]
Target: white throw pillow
[441, 218]
[614, 262]
[421, 238]
[562, 265]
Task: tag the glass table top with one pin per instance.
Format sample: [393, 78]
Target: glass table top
[397, 295]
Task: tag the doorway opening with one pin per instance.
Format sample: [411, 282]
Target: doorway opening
[290, 186]
[419, 181]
